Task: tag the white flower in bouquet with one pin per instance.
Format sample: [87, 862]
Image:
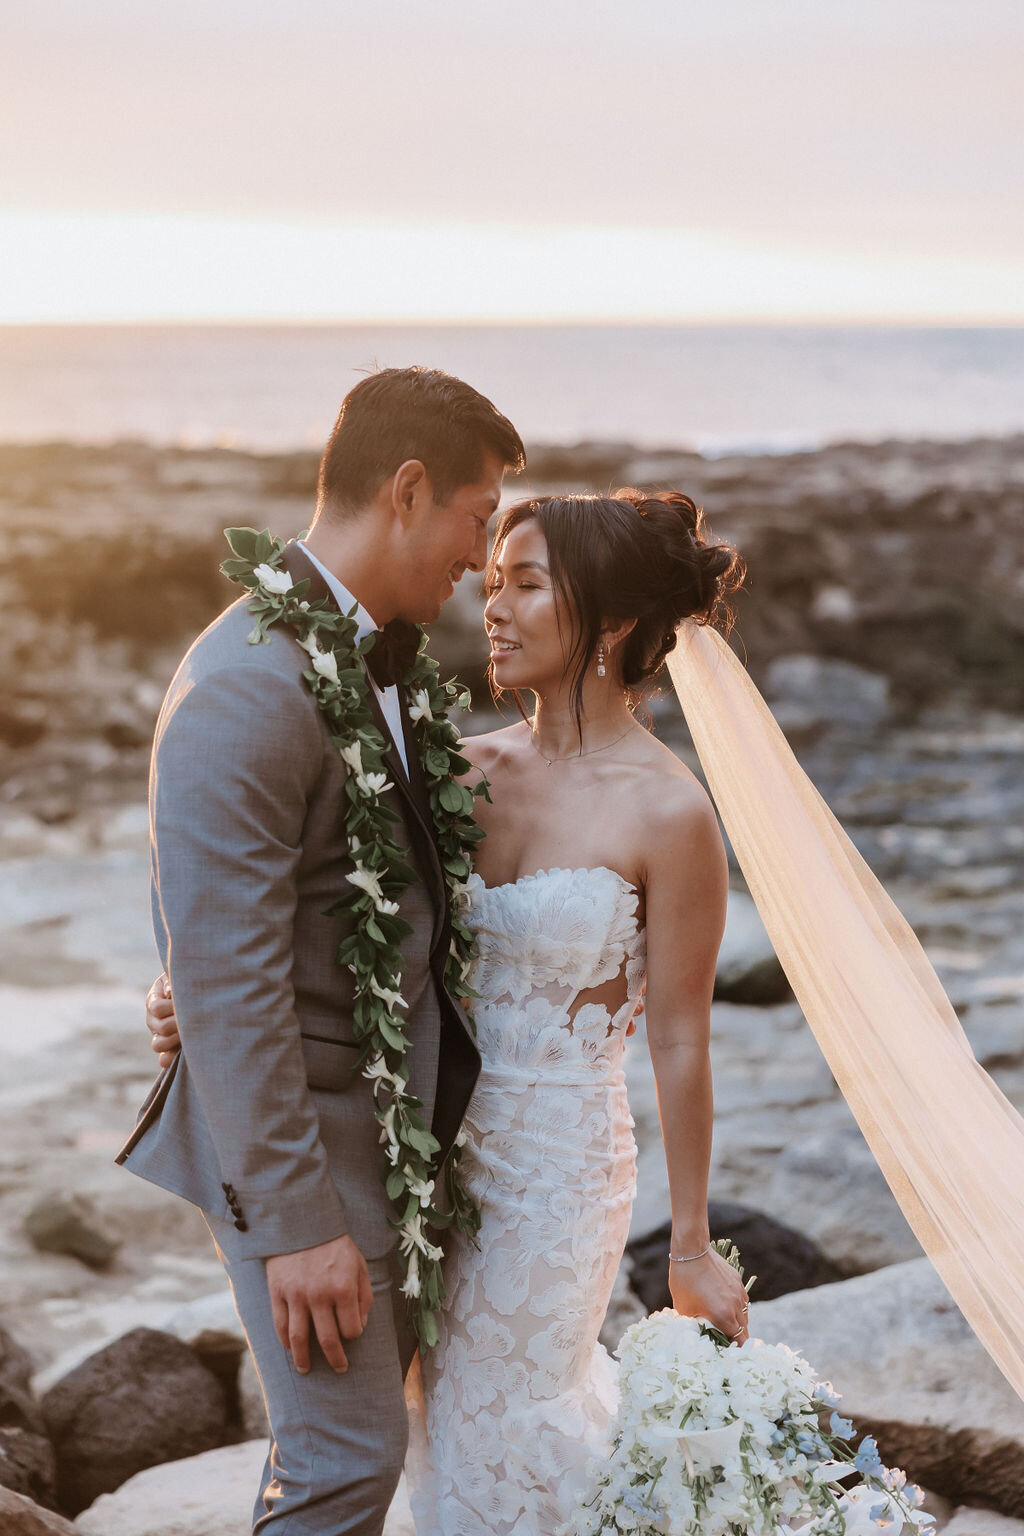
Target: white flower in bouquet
[715, 1439]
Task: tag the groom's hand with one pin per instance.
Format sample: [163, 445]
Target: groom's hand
[329, 1286]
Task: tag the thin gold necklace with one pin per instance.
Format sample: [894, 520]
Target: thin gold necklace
[574, 755]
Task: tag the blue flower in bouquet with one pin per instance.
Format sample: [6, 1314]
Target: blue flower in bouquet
[826, 1394]
[635, 1501]
[841, 1427]
[867, 1460]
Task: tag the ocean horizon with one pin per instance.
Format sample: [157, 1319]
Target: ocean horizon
[711, 388]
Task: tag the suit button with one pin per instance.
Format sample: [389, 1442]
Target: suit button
[241, 1224]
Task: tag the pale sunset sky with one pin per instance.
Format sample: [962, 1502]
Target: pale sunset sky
[544, 159]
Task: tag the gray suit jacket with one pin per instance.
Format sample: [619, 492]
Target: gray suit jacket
[262, 1118]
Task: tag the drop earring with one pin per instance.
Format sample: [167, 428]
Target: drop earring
[601, 669]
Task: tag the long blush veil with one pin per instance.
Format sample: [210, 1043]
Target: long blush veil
[949, 1143]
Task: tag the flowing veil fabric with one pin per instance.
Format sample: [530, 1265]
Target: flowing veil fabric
[949, 1143]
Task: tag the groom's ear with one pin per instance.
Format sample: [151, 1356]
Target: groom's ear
[411, 491]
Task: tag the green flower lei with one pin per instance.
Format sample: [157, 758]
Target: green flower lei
[371, 950]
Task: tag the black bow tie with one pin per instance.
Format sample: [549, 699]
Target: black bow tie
[395, 648]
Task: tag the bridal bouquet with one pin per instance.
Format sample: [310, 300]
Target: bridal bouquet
[719, 1439]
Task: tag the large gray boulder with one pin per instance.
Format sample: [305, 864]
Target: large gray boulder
[813, 692]
[828, 1185]
[62, 1224]
[140, 1401]
[981, 1522]
[208, 1495]
[911, 1372]
[19, 1516]
[210, 1324]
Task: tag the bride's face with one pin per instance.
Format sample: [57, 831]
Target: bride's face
[521, 614]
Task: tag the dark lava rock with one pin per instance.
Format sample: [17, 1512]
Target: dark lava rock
[783, 1260]
[143, 1400]
[21, 727]
[28, 1465]
[56, 1224]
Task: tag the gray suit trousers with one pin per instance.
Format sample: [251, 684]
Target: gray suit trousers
[337, 1441]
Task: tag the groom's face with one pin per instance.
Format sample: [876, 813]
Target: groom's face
[449, 539]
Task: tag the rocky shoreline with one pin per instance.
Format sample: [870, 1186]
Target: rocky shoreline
[884, 622]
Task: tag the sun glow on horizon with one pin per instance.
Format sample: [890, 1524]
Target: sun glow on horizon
[67, 268]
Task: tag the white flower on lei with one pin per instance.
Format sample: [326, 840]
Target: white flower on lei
[352, 757]
[277, 583]
[419, 707]
[389, 995]
[372, 784]
[367, 881]
[411, 1287]
[423, 1189]
[388, 1134]
[378, 1071]
[413, 1236]
[325, 664]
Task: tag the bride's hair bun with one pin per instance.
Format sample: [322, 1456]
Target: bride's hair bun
[645, 557]
[680, 573]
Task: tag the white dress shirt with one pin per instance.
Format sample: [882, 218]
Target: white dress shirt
[388, 697]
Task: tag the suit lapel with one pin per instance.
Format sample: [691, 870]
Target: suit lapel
[411, 786]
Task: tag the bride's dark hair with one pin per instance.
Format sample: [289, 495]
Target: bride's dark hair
[633, 555]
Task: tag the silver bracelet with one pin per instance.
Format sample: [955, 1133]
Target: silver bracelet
[688, 1258]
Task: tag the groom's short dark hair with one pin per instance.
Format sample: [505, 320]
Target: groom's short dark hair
[399, 414]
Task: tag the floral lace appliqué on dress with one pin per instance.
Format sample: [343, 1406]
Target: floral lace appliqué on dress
[519, 1393]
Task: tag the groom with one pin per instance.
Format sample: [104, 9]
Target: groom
[262, 1119]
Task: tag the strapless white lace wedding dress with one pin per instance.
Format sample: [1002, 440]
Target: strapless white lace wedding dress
[519, 1393]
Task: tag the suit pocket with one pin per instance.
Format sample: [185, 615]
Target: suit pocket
[330, 1064]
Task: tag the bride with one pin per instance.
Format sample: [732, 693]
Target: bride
[599, 891]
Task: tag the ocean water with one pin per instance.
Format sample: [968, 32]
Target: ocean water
[714, 388]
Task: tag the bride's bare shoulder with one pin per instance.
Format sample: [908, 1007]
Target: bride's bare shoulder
[492, 750]
[673, 796]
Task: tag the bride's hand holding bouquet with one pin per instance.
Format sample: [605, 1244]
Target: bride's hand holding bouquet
[705, 1286]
